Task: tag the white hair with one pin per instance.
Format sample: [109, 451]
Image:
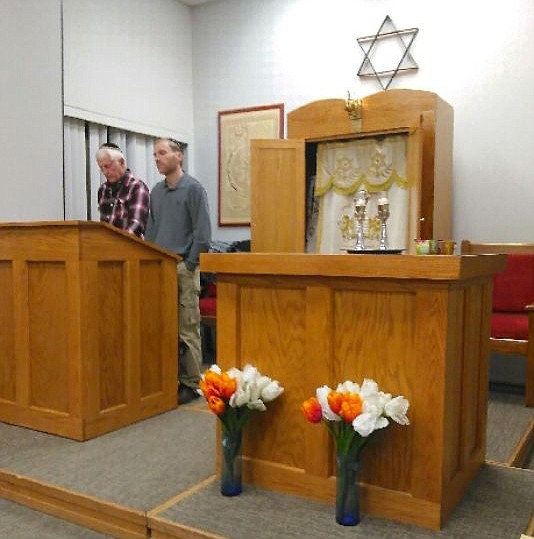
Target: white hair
[113, 153]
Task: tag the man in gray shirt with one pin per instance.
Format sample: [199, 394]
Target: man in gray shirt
[179, 221]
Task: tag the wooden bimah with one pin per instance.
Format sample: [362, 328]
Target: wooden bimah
[418, 325]
[88, 328]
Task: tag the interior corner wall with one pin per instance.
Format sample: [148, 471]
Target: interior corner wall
[31, 111]
[128, 64]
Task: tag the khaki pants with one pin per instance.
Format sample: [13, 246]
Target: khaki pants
[189, 326]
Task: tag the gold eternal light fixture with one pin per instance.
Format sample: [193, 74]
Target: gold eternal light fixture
[353, 107]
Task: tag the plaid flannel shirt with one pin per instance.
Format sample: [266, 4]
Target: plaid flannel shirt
[128, 209]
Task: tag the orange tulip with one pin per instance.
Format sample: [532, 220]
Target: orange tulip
[211, 378]
[216, 405]
[312, 410]
[334, 401]
[228, 385]
[351, 407]
[207, 389]
[218, 385]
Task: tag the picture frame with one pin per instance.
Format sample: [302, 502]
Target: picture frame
[237, 128]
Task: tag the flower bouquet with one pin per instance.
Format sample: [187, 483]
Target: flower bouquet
[353, 413]
[232, 396]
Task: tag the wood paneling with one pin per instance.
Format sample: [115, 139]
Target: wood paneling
[279, 343]
[7, 334]
[151, 346]
[47, 327]
[278, 204]
[112, 320]
[88, 328]
[417, 325]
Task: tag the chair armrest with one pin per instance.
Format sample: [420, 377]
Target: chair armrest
[530, 353]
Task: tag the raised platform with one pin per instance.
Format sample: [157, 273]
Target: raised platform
[156, 479]
[491, 509]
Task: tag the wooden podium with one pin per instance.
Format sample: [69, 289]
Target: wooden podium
[88, 328]
[418, 325]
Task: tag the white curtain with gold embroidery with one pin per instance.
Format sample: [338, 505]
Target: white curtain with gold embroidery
[376, 164]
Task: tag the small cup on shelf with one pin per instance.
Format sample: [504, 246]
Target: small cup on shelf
[446, 247]
[422, 247]
[433, 247]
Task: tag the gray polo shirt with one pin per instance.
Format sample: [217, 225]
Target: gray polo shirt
[179, 219]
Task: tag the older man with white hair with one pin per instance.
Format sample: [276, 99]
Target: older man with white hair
[123, 201]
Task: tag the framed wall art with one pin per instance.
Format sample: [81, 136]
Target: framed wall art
[236, 129]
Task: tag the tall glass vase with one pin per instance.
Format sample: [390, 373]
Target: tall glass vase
[347, 488]
[231, 462]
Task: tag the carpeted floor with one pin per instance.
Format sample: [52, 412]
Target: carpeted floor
[146, 464]
[19, 522]
[529, 465]
[489, 510]
[508, 418]
[139, 466]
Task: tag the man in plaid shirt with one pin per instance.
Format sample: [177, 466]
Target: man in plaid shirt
[123, 201]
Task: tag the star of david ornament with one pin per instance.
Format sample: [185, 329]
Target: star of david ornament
[382, 52]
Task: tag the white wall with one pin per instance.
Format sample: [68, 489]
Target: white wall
[128, 64]
[476, 55]
[31, 115]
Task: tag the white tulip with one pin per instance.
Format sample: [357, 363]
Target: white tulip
[272, 390]
[366, 423]
[396, 409]
[348, 387]
[322, 394]
[369, 388]
[237, 374]
[250, 374]
[257, 405]
[240, 397]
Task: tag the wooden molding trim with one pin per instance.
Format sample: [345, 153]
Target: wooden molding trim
[87, 511]
[523, 447]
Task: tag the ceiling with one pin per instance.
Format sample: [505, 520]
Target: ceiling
[195, 2]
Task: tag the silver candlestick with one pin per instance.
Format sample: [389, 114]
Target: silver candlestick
[383, 214]
[360, 203]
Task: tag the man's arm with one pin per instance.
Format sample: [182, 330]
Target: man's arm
[200, 215]
[138, 209]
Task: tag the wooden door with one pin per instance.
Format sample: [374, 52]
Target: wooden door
[278, 205]
[414, 171]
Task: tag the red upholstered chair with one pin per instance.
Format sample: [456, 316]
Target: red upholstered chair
[512, 320]
[208, 297]
[208, 311]
[208, 305]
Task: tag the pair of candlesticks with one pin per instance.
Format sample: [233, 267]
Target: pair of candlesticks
[360, 210]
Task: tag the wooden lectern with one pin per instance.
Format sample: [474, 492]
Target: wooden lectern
[418, 325]
[88, 328]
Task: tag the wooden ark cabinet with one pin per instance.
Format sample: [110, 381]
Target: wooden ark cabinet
[88, 328]
[280, 168]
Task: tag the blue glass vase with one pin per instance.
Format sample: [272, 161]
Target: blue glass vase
[347, 488]
[231, 462]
